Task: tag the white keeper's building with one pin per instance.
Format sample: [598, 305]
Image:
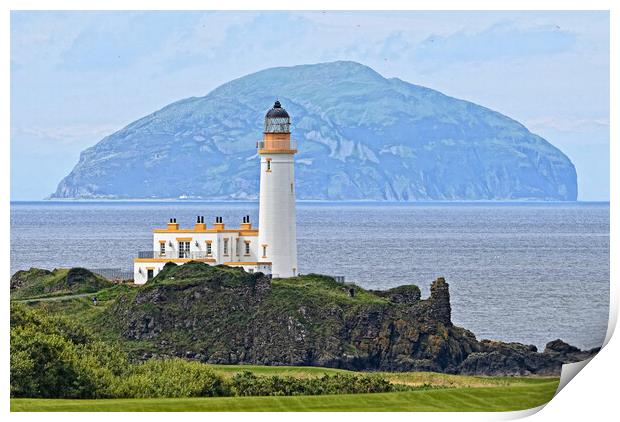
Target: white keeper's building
[271, 248]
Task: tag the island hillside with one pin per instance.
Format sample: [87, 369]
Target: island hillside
[223, 315]
[360, 136]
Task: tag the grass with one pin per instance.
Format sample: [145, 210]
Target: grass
[82, 302]
[291, 371]
[414, 379]
[324, 288]
[37, 283]
[450, 393]
[81, 307]
[508, 398]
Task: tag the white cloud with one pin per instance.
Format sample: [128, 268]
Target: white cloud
[65, 135]
[39, 38]
[500, 41]
[569, 125]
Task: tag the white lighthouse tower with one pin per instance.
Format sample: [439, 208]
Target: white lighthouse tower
[277, 238]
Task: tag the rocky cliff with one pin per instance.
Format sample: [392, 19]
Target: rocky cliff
[361, 136]
[224, 315]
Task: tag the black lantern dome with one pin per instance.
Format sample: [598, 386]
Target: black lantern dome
[277, 120]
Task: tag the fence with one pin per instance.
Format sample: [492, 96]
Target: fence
[115, 274]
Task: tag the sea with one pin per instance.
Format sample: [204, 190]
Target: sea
[518, 271]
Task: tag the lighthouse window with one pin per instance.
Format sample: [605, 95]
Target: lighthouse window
[264, 251]
[162, 248]
[247, 248]
[209, 250]
[225, 246]
[268, 165]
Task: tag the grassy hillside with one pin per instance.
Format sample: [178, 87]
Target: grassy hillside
[36, 283]
[530, 394]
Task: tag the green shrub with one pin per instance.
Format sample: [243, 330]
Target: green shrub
[248, 384]
[170, 378]
[41, 364]
[56, 357]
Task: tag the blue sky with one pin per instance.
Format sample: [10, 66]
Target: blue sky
[79, 76]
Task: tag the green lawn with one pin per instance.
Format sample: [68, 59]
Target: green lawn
[514, 397]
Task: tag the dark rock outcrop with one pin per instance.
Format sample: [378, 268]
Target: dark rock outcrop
[567, 353]
[440, 302]
[401, 294]
[224, 315]
[499, 358]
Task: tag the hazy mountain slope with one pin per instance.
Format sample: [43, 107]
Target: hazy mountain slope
[361, 136]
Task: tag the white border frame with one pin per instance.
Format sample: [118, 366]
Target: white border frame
[591, 395]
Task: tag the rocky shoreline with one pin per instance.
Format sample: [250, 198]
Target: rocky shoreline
[226, 316]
